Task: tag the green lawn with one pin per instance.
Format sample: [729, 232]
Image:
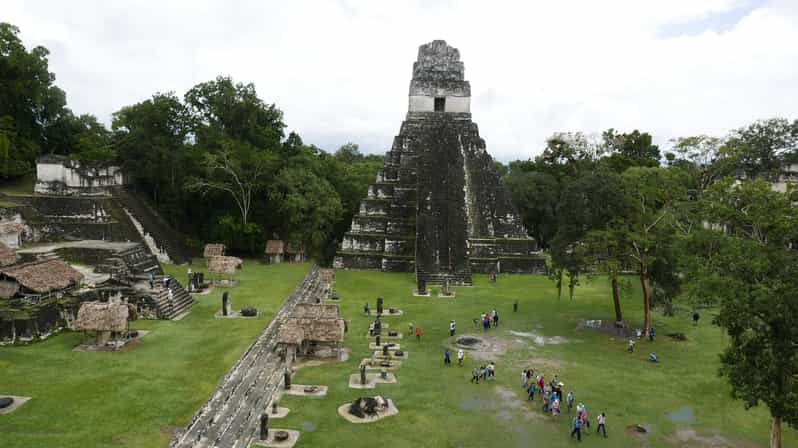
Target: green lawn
[136, 398]
[439, 407]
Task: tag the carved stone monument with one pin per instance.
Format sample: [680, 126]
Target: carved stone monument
[287, 379]
[437, 207]
[363, 374]
[264, 426]
[379, 306]
[227, 305]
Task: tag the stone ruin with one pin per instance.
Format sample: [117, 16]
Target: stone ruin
[438, 206]
[312, 330]
[365, 407]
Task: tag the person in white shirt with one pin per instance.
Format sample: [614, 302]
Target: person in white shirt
[460, 355]
[602, 424]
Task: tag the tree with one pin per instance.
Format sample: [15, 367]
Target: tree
[761, 148]
[535, 195]
[29, 102]
[224, 109]
[651, 194]
[629, 149]
[751, 257]
[307, 204]
[239, 170]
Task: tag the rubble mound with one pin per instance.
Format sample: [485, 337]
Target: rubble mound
[365, 407]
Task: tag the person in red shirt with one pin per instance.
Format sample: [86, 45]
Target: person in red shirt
[418, 333]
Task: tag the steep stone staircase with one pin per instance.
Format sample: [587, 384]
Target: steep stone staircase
[180, 304]
[166, 237]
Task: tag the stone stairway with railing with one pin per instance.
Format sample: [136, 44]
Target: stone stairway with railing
[166, 238]
[229, 419]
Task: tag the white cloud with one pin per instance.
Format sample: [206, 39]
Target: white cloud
[340, 70]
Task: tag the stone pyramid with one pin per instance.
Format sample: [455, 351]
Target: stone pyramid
[438, 207]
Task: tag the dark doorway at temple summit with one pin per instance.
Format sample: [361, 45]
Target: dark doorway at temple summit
[438, 207]
[440, 104]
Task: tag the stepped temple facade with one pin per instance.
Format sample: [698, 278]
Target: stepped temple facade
[438, 207]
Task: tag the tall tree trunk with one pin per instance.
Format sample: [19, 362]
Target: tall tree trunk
[646, 299]
[775, 433]
[616, 299]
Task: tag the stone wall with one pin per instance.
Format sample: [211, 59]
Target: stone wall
[58, 175]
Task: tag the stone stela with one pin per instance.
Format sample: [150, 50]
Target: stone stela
[437, 207]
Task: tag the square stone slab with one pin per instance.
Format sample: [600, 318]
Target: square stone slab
[293, 436]
[281, 412]
[299, 389]
[372, 379]
[395, 364]
[374, 346]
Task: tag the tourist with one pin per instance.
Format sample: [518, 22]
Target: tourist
[475, 375]
[366, 309]
[460, 356]
[555, 408]
[491, 370]
[410, 328]
[170, 295]
[546, 399]
[696, 316]
[371, 328]
[419, 332]
[631, 348]
[653, 358]
[152, 281]
[451, 328]
[638, 333]
[483, 371]
[529, 374]
[541, 383]
[576, 424]
[476, 323]
[570, 400]
[585, 420]
[486, 322]
[531, 391]
[524, 378]
[446, 359]
[651, 334]
[602, 424]
[494, 315]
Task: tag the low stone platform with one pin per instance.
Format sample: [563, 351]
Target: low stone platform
[18, 402]
[129, 344]
[372, 379]
[395, 364]
[293, 437]
[343, 411]
[378, 354]
[281, 412]
[387, 313]
[299, 390]
[385, 335]
[374, 346]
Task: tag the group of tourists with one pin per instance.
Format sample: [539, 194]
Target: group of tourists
[488, 319]
[483, 372]
[552, 397]
[447, 361]
[651, 335]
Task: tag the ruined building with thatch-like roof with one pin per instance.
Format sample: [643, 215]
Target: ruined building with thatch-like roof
[313, 330]
[107, 319]
[8, 256]
[29, 295]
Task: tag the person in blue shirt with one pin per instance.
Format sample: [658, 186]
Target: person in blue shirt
[576, 424]
[653, 358]
[651, 334]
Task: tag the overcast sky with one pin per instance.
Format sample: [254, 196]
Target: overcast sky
[340, 70]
